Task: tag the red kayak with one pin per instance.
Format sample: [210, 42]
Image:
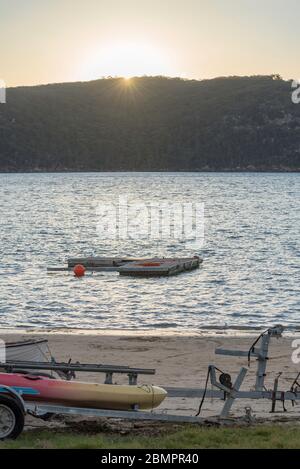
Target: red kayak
[80, 394]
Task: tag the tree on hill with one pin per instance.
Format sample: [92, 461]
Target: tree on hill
[152, 123]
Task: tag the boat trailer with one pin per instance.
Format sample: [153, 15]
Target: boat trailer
[13, 405]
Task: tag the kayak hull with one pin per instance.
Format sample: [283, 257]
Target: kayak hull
[82, 394]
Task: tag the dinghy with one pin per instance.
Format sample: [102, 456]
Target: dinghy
[81, 394]
[32, 351]
[28, 350]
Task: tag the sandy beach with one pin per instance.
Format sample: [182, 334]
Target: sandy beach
[179, 361]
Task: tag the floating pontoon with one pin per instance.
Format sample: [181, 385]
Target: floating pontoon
[150, 267]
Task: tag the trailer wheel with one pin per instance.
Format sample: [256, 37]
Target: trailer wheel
[11, 418]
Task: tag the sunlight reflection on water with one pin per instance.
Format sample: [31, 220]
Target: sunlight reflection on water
[249, 277]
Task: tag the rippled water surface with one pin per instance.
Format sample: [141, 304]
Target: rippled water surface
[250, 274]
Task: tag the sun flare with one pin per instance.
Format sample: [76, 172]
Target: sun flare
[128, 60]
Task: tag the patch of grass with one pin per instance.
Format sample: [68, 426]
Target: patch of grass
[273, 436]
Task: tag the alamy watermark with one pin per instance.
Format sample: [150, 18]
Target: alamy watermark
[2, 351]
[2, 92]
[296, 92]
[296, 352]
[152, 220]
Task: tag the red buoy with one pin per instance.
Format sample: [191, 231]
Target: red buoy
[79, 270]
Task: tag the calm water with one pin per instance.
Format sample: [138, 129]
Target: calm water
[250, 274]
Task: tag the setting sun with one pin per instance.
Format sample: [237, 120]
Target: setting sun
[128, 60]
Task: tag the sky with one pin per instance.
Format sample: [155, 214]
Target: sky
[47, 41]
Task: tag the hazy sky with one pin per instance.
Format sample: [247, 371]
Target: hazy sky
[44, 41]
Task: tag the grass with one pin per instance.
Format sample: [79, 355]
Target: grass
[273, 436]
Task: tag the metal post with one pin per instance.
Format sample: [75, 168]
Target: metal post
[262, 362]
[132, 379]
[108, 378]
[232, 395]
[275, 393]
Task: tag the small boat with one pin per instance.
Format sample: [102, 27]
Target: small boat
[32, 351]
[28, 350]
[82, 394]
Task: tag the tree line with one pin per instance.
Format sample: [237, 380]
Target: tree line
[152, 124]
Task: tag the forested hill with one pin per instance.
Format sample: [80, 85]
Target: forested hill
[151, 123]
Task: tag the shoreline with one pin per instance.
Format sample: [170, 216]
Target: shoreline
[234, 332]
[287, 170]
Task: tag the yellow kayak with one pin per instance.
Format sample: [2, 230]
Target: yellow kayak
[82, 394]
